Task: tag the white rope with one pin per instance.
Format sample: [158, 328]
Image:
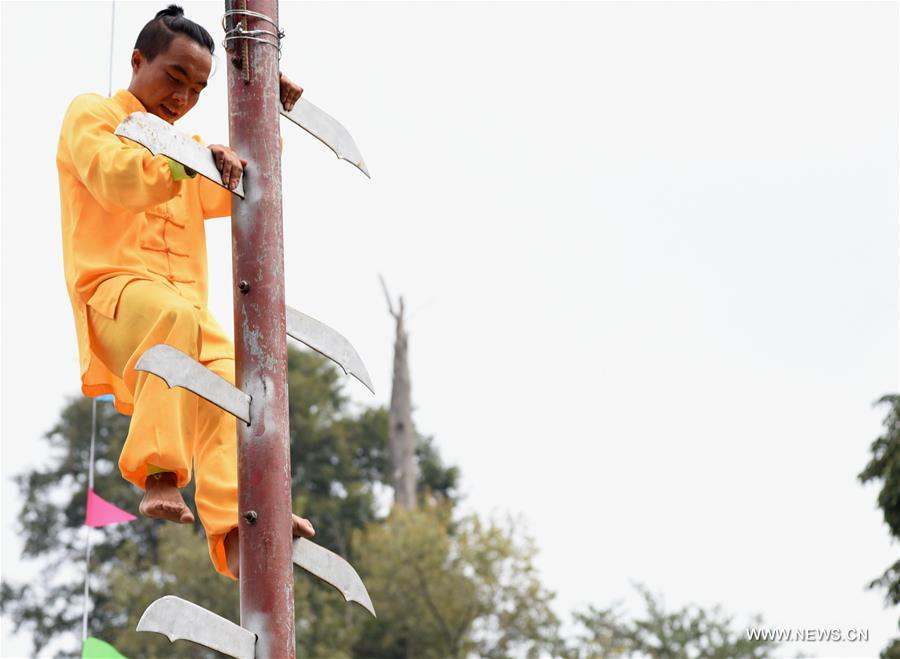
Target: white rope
[93, 439]
[87, 563]
[87, 529]
[112, 41]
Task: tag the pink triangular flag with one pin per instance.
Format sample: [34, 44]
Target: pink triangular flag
[101, 512]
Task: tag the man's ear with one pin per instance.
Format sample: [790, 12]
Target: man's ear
[137, 58]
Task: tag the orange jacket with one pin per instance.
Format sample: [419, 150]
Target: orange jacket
[124, 217]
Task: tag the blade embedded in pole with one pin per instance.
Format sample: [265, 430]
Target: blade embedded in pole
[180, 370]
[161, 137]
[328, 342]
[328, 130]
[178, 619]
[333, 570]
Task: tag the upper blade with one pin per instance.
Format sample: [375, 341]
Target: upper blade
[161, 137]
[321, 338]
[332, 569]
[327, 130]
[180, 370]
[179, 619]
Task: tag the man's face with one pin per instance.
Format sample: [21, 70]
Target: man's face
[170, 85]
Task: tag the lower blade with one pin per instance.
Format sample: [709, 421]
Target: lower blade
[178, 619]
[333, 570]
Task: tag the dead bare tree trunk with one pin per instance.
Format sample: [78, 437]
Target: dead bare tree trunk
[401, 430]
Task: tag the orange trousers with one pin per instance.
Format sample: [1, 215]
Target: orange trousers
[173, 429]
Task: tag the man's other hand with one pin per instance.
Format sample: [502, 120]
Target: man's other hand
[290, 92]
[229, 164]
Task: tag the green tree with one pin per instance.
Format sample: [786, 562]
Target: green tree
[884, 466]
[52, 518]
[689, 632]
[453, 589]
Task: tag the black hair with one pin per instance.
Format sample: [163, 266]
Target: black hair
[157, 34]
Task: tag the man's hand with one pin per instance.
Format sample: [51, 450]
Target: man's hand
[290, 92]
[229, 164]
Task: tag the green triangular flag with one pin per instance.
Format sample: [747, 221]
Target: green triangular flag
[94, 648]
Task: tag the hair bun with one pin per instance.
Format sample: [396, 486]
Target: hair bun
[171, 10]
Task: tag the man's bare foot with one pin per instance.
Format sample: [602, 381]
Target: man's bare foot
[162, 500]
[300, 528]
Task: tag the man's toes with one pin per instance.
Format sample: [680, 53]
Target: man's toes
[302, 528]
[178, 512]
[152, 508]
[167, 510]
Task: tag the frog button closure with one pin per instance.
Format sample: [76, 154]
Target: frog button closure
[153, 232]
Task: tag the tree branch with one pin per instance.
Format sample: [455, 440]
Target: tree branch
[387, 296]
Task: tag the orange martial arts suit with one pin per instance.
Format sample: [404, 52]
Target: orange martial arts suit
[134, 248]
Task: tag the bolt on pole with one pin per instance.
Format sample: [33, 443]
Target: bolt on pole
[264, 466]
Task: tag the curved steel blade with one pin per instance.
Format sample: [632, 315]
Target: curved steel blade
[326, 341]
[178, 619]
[333, 570]
[161, 137]
[328, 130]
[180, 370]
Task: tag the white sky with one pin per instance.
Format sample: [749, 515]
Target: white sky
[650, 252]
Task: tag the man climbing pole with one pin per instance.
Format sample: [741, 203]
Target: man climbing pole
[135, 264]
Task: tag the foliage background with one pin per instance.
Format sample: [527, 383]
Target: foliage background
[444, 584]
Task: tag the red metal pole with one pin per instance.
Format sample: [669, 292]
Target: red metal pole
[264, 467]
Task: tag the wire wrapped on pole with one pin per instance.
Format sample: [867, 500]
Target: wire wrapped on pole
[238, 31]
